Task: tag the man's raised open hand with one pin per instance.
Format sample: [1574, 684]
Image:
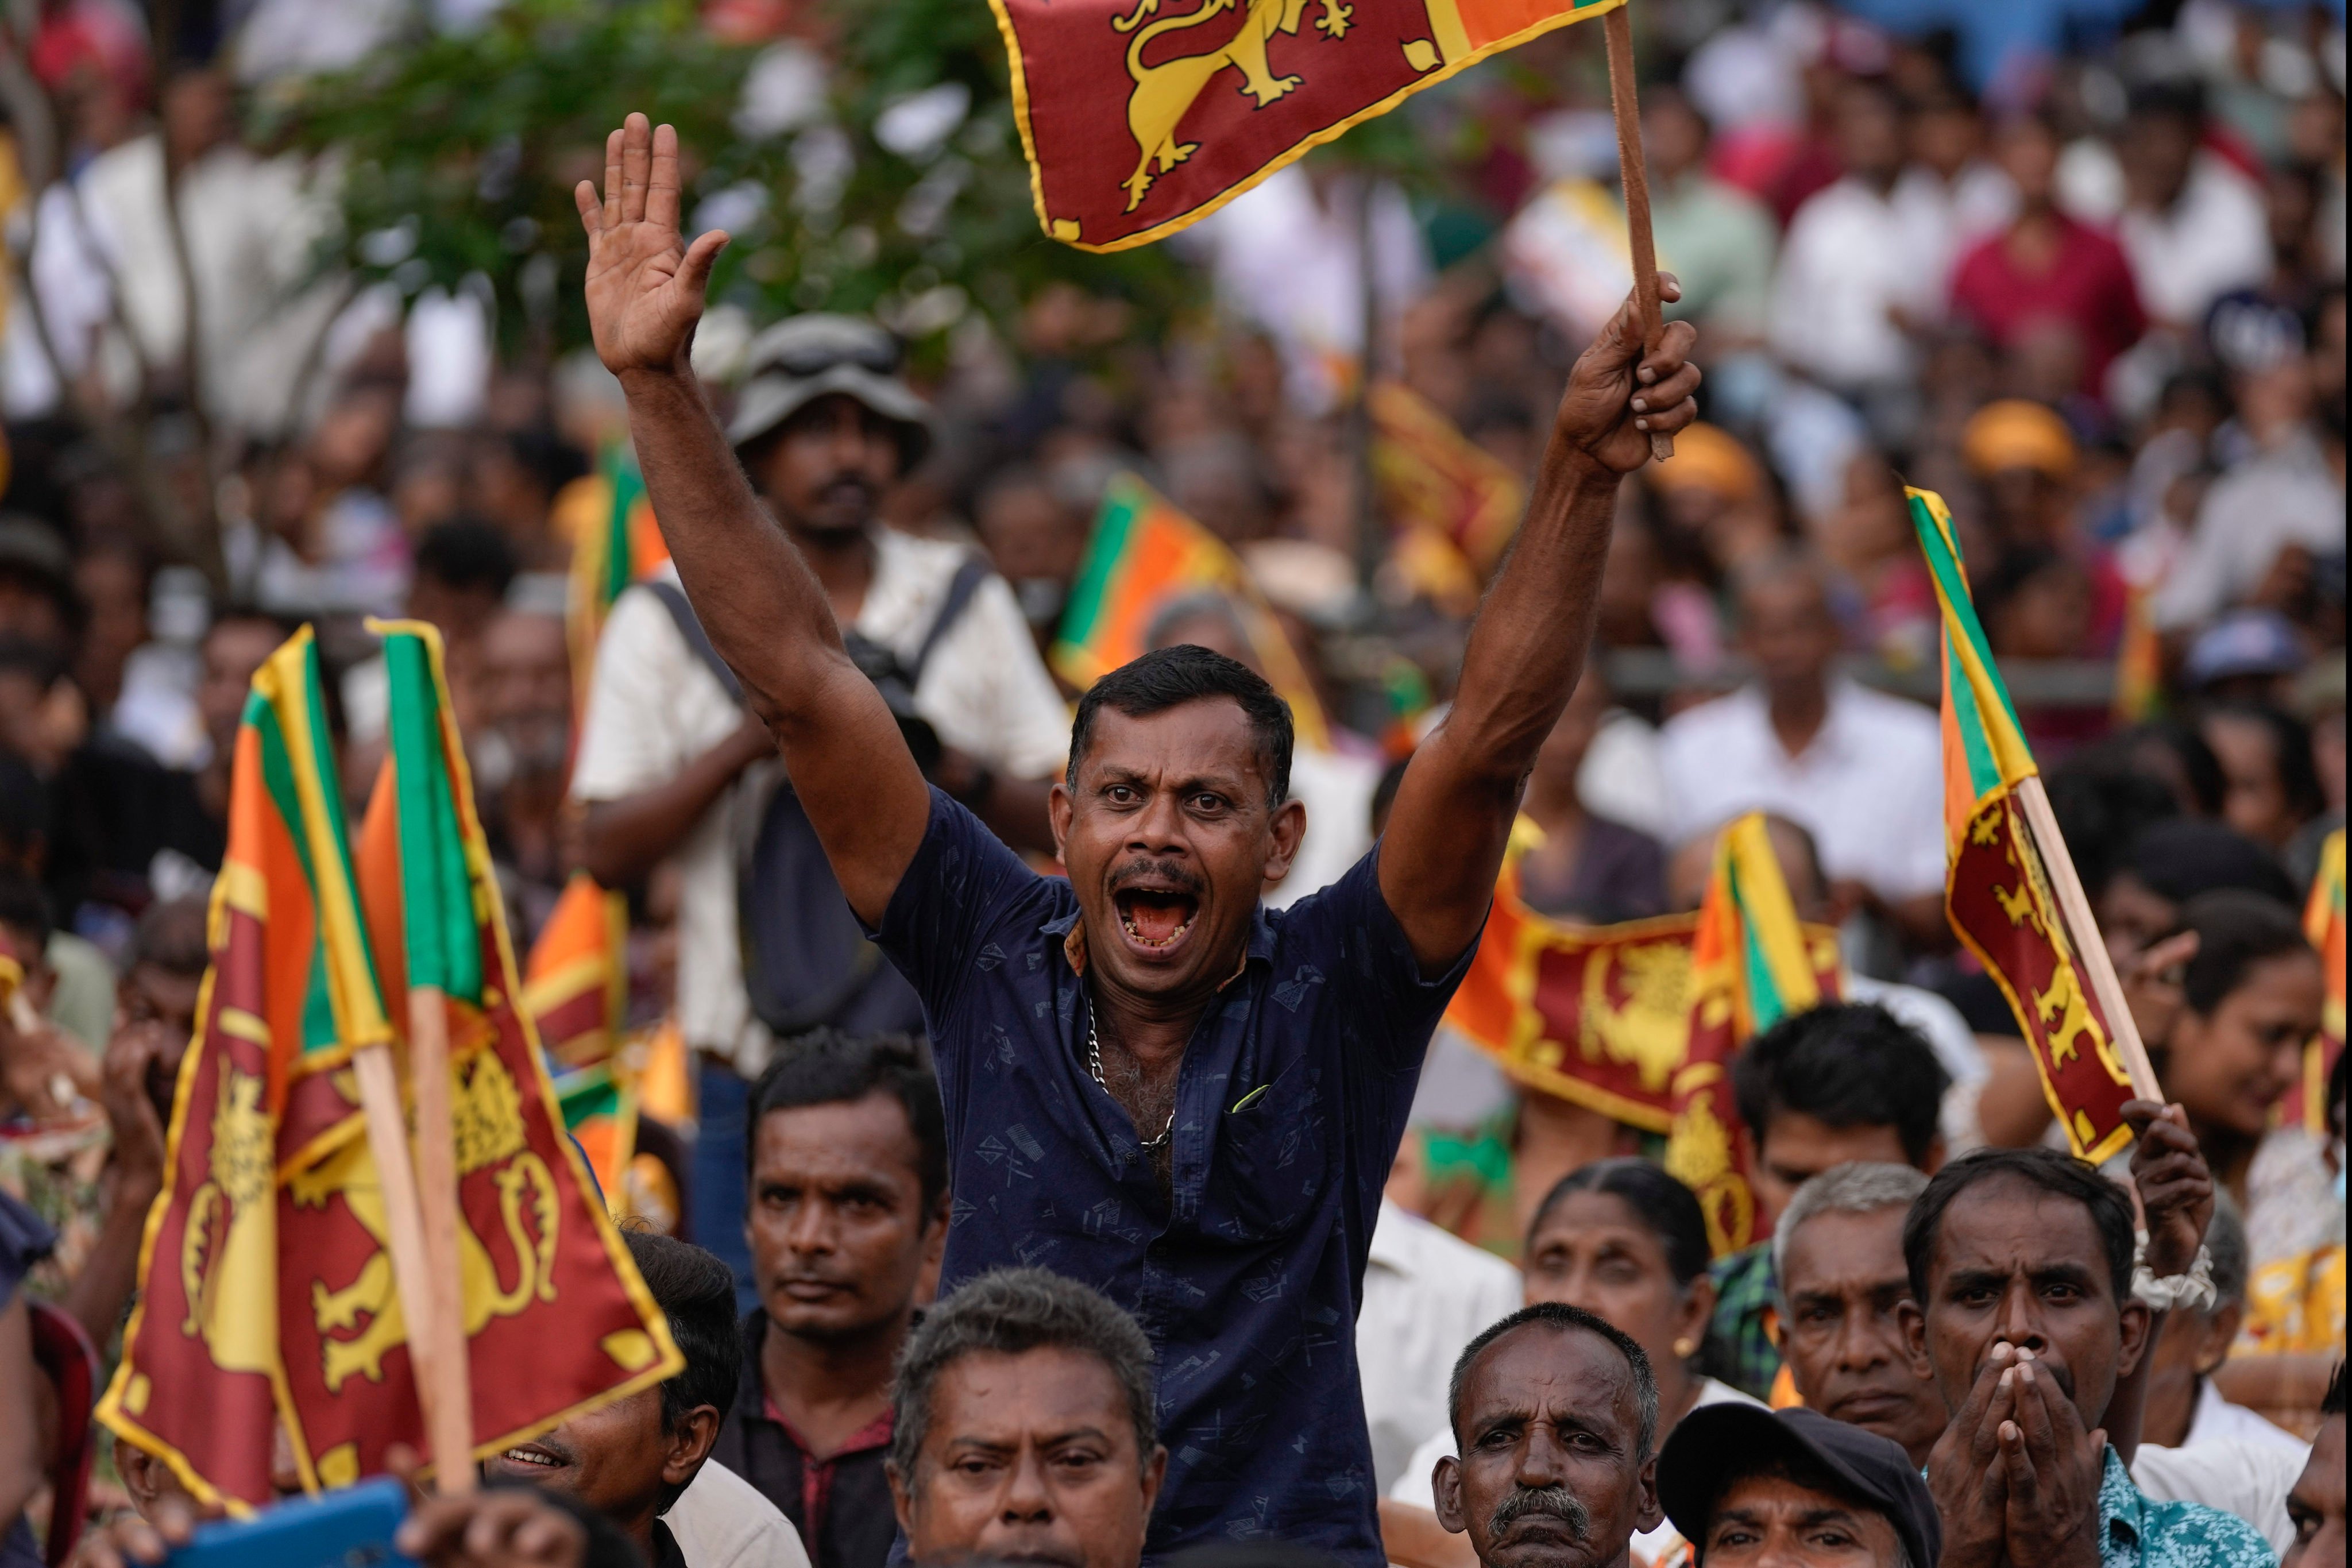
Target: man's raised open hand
[645, 283]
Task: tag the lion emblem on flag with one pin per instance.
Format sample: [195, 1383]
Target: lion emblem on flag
[1165, 93]
[487, 1115]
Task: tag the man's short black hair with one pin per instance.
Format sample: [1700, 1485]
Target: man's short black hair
[696, 1291]
[467, 555]
[826, 1066]
[2332, 1402]
[1012, 1311]
[1846, 1064]
[2048, 1169]
[2179, 859]
[1559, 1315]
[1170, 676]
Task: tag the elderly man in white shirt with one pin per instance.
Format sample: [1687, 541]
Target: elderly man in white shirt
[671, 766]
[1861, 772]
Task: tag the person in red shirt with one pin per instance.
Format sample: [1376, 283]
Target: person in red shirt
[2045, 270]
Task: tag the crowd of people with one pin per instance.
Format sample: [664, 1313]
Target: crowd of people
[1074, 1163]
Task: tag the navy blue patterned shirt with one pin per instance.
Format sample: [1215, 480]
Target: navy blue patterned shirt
[1291, 1101]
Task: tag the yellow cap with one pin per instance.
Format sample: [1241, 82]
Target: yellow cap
[1709, 457]
[2016, 434]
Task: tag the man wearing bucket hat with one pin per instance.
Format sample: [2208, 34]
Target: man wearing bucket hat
[1796, 1490]
[670, 765]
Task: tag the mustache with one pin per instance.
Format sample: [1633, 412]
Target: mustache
[1173, 873]
[1549, 1502]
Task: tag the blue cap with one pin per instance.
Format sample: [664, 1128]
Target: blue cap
[2244, 642]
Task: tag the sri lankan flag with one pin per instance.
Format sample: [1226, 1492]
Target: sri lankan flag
[1144, 554]
[1433, 477]
[1753, 964]
[2323, 922]
[265, 1103]
[576, 981]
[556, 1318]
[576, 990]
[1598, 1016]
[614, 542]
[1141, 116]
[1997, 893]
[577, 975]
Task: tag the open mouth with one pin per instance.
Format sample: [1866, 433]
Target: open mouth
[1156, 918]
[532, 1456]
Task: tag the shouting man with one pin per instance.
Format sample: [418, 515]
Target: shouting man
[1151, 1084]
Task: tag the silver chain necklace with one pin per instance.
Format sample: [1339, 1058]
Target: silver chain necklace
[1094, 1065]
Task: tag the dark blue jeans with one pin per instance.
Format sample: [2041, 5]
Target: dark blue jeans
[722, 1098]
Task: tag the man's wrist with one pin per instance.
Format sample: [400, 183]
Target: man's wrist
[659, 380]
[1584, 469]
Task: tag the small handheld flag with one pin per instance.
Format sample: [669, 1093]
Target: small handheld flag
[1600, 1016]
[2323, 922]
[1144, 554]
[2010, 889]
[1140, 118]
[1753, 964]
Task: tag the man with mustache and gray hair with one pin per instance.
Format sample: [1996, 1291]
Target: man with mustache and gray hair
[1555, 1415]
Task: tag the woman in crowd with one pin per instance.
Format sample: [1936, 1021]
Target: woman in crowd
[1627, 1242]
[2250, 999]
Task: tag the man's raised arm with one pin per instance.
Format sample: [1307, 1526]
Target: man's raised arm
[1453, 811]
[761, 606]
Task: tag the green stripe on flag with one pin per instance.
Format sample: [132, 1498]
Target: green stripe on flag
[319, 1031]
[628, 485]
[1123, 503]
[585, 1095]
[437, 898]
[1766, 1006]
[1960, 618]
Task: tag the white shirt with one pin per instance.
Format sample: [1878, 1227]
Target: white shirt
[653, 707]
[1852, 256]
[2214, 238]
[720, 1521]
[1418, 1487]
[1427, 1293]
[2290, 496]
[1619, 778]
[1869, 787]
[1336, 790]
[2232, 1459]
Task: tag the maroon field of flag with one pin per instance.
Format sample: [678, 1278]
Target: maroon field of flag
[1142, 116]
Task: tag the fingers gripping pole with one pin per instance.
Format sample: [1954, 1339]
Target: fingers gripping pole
[1625, 99]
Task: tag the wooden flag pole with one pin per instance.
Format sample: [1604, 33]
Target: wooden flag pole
[444, 1375]
[2083, 936]
[404, 1229]
[1625, 99]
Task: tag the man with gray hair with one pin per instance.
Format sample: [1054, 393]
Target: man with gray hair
[1026, 1428]
[1554, 1419]
[1838, 1254]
